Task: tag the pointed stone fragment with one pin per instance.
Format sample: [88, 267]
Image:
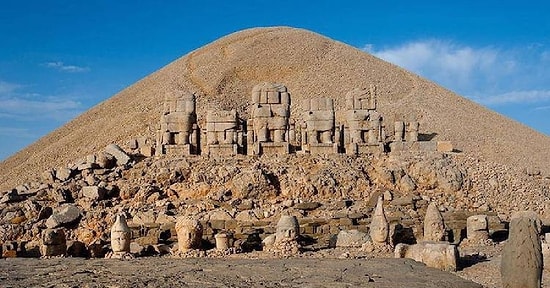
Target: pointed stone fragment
[379, 227]
[434, 227]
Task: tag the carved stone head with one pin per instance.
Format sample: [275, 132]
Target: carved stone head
[189, 234]
[121, 235]
[287, 228]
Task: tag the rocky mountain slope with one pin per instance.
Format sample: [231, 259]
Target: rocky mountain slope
[223, 73]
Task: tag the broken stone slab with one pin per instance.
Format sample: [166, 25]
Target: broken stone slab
[121, 157]
[65, 215]
[351, 238]
[94, 192]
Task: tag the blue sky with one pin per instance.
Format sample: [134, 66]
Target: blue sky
[59, 58]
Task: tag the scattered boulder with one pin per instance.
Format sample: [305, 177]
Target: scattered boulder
[94, 193]
[11, 196]
[63, 174]
[66, 214]
[307, 205]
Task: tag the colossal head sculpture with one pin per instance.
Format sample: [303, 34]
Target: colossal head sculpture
[121, 235]
[189, 233]
[287, 228]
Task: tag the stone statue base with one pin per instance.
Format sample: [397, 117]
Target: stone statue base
[120, 255]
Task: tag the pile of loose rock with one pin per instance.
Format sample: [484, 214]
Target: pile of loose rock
[332, 196]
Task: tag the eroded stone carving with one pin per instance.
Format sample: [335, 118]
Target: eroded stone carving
[285, 239]
[363, 124]
[223, 135]
[178, 133]
[269, 124]
[189, 233]
[379, 226]
[434, 228]
[319, 131]
[521, 264]
[440, 255]
[53, 243]
[121, 237]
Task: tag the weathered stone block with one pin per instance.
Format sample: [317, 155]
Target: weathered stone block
[440, 255]
[351, 238]
[63, 174]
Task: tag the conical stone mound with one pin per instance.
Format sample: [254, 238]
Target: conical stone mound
[223, 73]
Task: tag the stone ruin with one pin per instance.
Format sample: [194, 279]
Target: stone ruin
[267, 131]
[318, 134]
[178, 133]
[224, 134]
[365, 134]
[271, 130]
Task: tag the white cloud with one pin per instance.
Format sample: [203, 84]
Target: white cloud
[18, 105]
[542, 108]
[525, 97]
[17, 132]
[31, 110]
[66, 68]
[6, 87]
[452, 65]
[491, 76]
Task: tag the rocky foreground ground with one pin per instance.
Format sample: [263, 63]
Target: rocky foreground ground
[202, 272]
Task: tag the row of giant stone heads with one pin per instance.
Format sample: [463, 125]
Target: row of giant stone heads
[521, 265]
[270, 129]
